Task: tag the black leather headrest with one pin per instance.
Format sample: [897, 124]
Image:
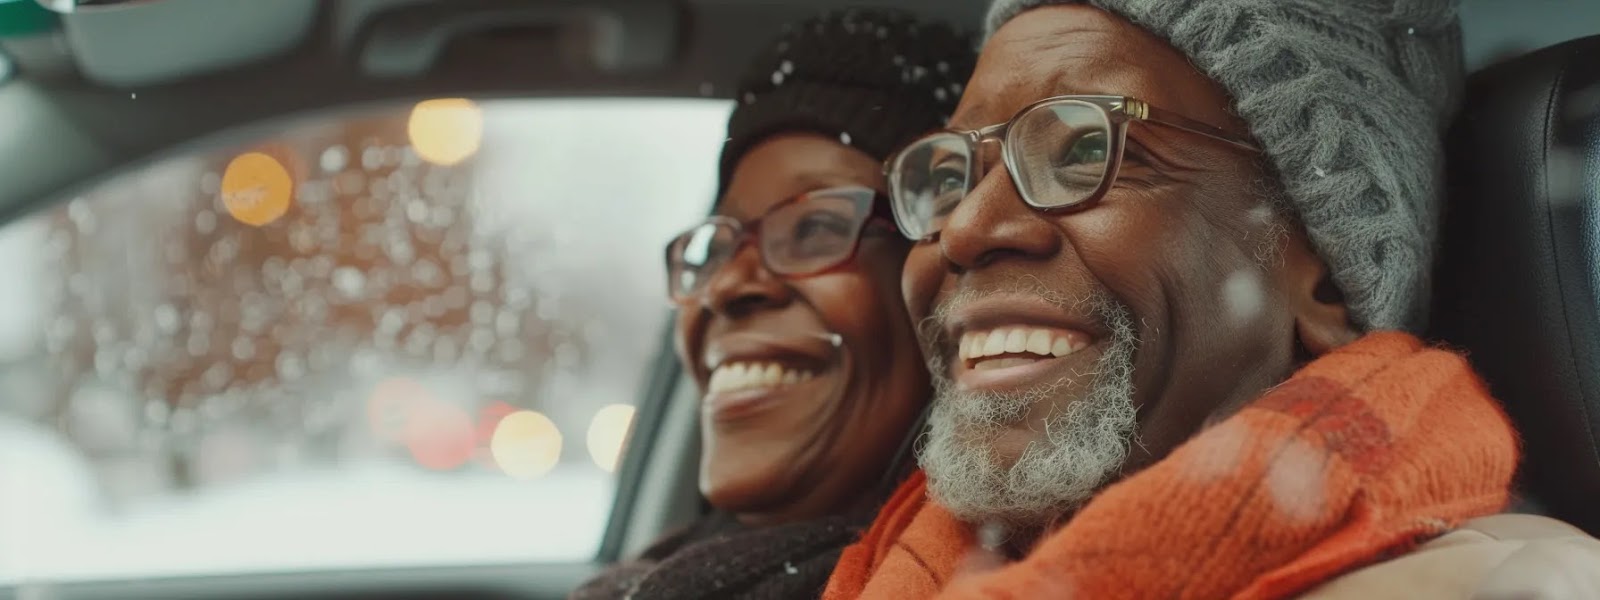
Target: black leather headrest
[1518, 284]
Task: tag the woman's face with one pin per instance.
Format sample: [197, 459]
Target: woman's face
[817, 441]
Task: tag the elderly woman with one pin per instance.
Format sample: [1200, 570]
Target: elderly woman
[790, 315]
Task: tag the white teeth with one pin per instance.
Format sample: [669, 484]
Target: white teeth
[733, 377]
[996, 344]
[1001, 363]
[1017, 341]
[1039, 342]
[1031, 340]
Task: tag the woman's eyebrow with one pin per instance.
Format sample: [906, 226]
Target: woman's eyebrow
[815, 180]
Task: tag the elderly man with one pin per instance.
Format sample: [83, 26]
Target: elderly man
[1166, 254]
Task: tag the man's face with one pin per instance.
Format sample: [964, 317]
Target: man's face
[1180, 294]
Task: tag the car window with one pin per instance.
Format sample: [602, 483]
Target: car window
[409, 335]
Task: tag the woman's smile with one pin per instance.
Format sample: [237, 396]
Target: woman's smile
[752, 371]
[742, 390]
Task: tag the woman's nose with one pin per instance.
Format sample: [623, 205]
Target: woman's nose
[744, 285]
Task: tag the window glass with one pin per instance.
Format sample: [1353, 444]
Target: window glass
[409, 336]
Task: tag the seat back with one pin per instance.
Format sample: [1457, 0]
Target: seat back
[1518, 282]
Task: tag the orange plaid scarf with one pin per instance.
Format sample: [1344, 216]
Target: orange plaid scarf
[1361, 455]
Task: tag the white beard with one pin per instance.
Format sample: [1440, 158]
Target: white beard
[1083, 444]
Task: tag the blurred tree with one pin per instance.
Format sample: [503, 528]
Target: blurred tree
[377, 265]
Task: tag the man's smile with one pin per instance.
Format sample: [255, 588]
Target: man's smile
[1015, 341]
[1071, 356]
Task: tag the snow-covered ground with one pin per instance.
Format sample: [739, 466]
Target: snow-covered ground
[53, 526]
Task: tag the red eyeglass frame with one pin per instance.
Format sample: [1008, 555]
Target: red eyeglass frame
[747, 232]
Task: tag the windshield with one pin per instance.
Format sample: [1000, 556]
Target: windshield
[404, 336]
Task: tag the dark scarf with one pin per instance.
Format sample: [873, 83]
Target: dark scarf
[717, 557]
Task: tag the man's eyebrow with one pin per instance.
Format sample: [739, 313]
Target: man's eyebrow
[1094, 75]
[979, 107]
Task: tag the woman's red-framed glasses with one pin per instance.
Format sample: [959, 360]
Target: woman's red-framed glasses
[806, 235]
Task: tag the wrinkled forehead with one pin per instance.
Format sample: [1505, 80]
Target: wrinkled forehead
[1077, 49]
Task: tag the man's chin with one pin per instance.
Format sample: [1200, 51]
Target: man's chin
[1012, 480]
[989, 460]
[1021, 458]
[967, 476]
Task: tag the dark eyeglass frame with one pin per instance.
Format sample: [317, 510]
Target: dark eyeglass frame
[749, 232]
[1117, 112]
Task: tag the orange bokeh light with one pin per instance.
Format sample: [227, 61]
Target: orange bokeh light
[256, 188]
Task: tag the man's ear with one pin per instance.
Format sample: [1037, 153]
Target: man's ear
[1322, 321]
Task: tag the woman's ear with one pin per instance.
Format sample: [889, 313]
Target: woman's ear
[1322, 321]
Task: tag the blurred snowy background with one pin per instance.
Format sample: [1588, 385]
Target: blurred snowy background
[425, 353]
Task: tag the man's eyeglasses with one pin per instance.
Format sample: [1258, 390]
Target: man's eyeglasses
[1062, 152]
[806, 235]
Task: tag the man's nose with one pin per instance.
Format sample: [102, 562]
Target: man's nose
[992, 224]
[743, 285]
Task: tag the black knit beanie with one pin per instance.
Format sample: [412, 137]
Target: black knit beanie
[875, 78]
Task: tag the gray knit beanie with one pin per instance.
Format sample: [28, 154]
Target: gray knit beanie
[1350, 101]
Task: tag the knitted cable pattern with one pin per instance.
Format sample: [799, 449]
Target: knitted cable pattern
[1350, 101]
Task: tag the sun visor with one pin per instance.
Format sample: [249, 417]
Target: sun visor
[480, 36]
[152, 42]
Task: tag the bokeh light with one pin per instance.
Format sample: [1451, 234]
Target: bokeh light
[390, 406]
[489, 418]
[526, 444]
[256, 188]
[445, 131]
[607, 434]
[439, 436]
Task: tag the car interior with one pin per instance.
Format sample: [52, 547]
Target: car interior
[91, 90]
[1517, 273]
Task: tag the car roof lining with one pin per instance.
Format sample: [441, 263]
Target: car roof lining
[97, 131]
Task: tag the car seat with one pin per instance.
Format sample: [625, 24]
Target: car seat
[1518, 279]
